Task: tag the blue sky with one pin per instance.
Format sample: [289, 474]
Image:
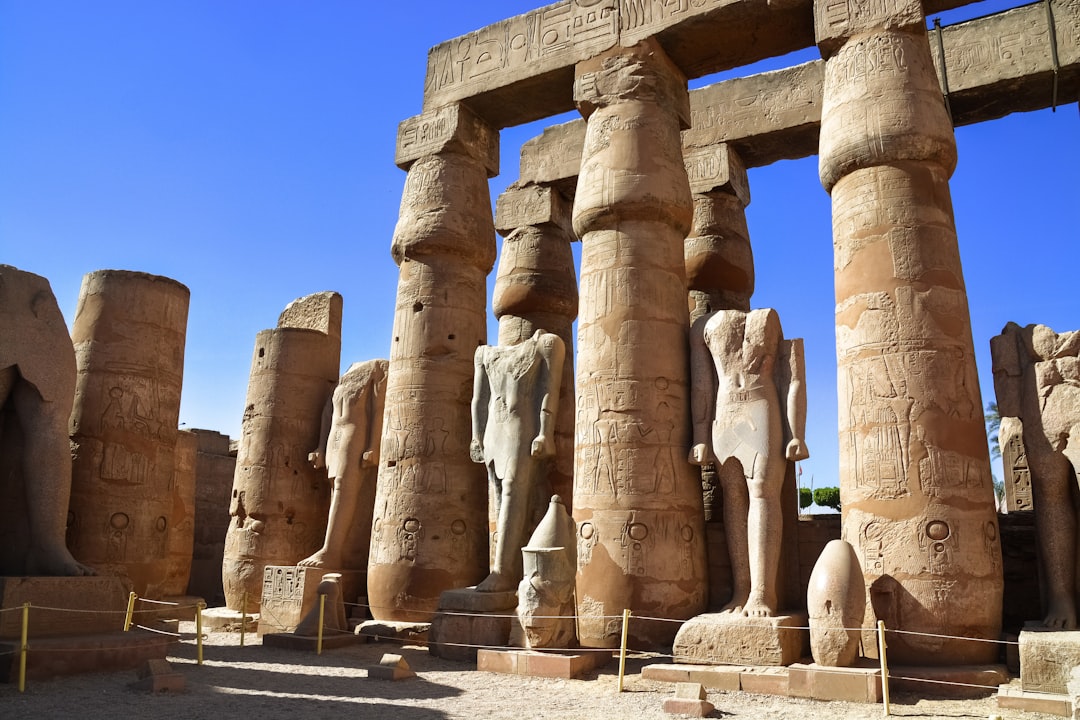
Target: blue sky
[245, 148]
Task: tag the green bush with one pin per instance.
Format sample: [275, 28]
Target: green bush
[828, 497]
[806, 498]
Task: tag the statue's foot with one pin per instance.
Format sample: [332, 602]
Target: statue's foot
[496, 582]
[756, 607]
[1060, 616]
[55, 562]
[735, 607]
[321, 559]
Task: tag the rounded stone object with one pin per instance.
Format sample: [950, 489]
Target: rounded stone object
[836, 603]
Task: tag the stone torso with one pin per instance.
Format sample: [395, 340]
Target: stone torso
[513, 409]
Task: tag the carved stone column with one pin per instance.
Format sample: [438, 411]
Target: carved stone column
[915, 479]
[430, 524]
[536, 289]
[181, 533]
[637, 500]
[129, 334]
[279, 500]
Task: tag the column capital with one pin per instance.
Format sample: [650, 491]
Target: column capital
[451, 128]
[531, 205]
[717, 168]
[837, 21]
[641, 72]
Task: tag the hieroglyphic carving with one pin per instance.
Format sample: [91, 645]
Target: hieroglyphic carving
[1018, 495]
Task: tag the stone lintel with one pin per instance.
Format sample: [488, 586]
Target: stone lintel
[835, 21]
[530, 205]
[554, 156]
[641, 72]
[717, 167]
[451, 128]
[519, 69]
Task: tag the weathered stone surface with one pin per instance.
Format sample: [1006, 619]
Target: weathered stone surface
[215, 466]
[554, 156]
[836, 604]
[733, 639]
[37, 388]
[85, 653]
[716, 677]
[849, 684]
[637, 502]
[279, 501]
[181, 533]
[1014, 698]
[129, 334]
[1014, 461]
[541, 664]
[97, 601]
[290, 593]
[391, 667]
[1035, 371]
[157, 676]
[689, 700]
[333, 609]
[546, 594]
[468, 619]
[451, 128]
[1047, 658]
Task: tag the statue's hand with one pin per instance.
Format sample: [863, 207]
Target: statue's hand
[797, 450]
[699, 454]
[543, 446]
[369, 459]
[476, 451]
[317, 460]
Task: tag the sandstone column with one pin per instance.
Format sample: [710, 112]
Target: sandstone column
[430, 531]
[181, 533]
[279, 501]
[637, 501]
[129, 334]
[215, 466]
[536, 289]
[914, 470]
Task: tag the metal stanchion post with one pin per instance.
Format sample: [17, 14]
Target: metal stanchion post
[23, 647]
[322, 615]
[622, 650]
[199, 607]
[130, 611]
[884, 665]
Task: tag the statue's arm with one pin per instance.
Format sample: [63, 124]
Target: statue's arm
[317, 457]
[1005, 353]
[702, 393]
[481, 392]
[553, 352]
[792, 384]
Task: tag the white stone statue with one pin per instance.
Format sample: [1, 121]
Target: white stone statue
[749, 407]
[514, 406]
[1037, 381]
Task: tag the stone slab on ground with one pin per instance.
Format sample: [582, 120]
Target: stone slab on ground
[391, 667]
[51, 657]
[223, 619]
[1046, 659]
[63, 605]
[408, 632]
[1013, 697]
[308, 643]
[731, 639]
[850, 684]
[961, 681]
[541, 664]
[690, 708]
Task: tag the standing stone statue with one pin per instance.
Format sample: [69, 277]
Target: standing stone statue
[749, 407]
[1037, 380]
[37, 389]
[515, 403]
[349, 450]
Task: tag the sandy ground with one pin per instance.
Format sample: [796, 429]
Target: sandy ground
[266, 683]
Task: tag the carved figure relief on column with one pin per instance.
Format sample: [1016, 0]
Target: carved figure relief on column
[37, 390]
[514, 406]
[1037, 380]
[749, 408]
[349, 451]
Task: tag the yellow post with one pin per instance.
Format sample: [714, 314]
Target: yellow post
[622, 650]
[199, 607]
[243, 617]
[322, 615]
[130, 611]
[884, 665]
[24, 646]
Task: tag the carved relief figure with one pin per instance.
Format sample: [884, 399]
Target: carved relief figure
[515, 402]
[748, 399]
[1037, 380]
[349, 450]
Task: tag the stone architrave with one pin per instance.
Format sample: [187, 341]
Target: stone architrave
[918, 504]
[279, 501]
[536, 288]
[215, 466]
[1036, 373]
[180, 542]
[37, 388]
[349, 452]
[429, 533]
[1014, 461]
[129, 334]
[836, 604]
[637, 501]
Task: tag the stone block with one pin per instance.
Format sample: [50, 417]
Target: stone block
[764, 680]
[290, 592]
[223, 619]
[391, 667]
[158, 676]
[958, 681]
[691, 708]
[452, 128]
[292, 641]
[467, 619]
[554, 156]
[850, 684]
[720, 677]
[835, 21]
[565, 665]
[717, 167]
[726, 639]
[63, 605]
[51, 657]
[531, 205]
[407, 632]
[1013, 697]
[1046, 659]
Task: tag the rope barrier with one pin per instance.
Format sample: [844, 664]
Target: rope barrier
[161, 602]
[159, 632]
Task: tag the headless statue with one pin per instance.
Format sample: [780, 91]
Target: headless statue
[37, 378]
[749, 408]
[1037, 382]
[515, 402]
[351, 432]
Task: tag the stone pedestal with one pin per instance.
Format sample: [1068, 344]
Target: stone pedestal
[732, 639]
[87, 605]
[467, 619]
[290, 592]
[541, 663]
[1046, 659]
[850, 684]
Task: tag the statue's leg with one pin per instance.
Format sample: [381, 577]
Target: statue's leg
[736, 506]
[516, 491]
[764, 533]
[47, 474]
[1055, 527]
[343, 501]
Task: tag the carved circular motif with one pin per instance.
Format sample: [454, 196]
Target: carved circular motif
[458, 527]
[991, 531]
[411, 525]
[119, 521]
[638, 531]
[587, 530]
[937, 530]
[161, 523]
[687, 533]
